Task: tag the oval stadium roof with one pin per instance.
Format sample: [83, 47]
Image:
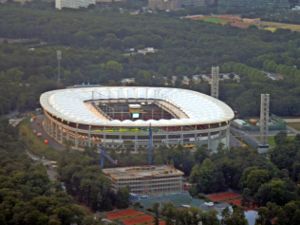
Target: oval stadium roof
[69, 105]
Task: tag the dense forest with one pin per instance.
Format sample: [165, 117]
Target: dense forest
[95, 42]
[27, 197]
[270, 182]
[95, 45]
[84, 179]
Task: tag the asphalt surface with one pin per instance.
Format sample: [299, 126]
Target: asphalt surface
[246, 137]
[37, 125]
[234, 142]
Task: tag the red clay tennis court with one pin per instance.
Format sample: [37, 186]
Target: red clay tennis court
[223, 196]
[132, 217]
[142, 219]
[228, 197]
[123, 213]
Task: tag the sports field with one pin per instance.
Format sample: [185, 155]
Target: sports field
[132, 217]
[215, 20]
[228, 197]
[237, 21]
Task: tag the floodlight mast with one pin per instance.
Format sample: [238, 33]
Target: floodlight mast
[214, 91]
[264, 117]
[264, 123]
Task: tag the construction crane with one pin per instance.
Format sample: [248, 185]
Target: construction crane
[150, 146]
[104, 155]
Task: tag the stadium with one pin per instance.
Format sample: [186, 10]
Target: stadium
[121, 117]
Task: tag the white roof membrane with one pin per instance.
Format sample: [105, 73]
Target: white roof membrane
[68, 104]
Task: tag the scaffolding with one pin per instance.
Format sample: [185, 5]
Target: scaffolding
[214, 91]
[264, 122]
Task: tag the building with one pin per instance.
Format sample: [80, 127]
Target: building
[186, 81]
[148, 50]
[171, 5]
[73, 4]
[166, 5]
[194, 3]
[17, 1]
[127, 81]
[148, 180]
[87, 116]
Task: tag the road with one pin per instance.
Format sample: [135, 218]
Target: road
[234, 142]
[246, 137]
[37, 125]
[293, 131]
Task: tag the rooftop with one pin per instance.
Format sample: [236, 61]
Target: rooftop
[69, 105]
[141, 172]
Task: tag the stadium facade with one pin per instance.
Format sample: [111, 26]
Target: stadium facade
[120, 117]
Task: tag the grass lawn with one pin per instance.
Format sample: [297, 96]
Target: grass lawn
[35, 144]
[214, 20]
[266, 25]
[275, 25]
[271, 141]
[272, 29]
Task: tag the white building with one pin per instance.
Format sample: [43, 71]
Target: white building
[73, 4]
[127, 81]
[147, 50]
[196, 79]
[185, 81]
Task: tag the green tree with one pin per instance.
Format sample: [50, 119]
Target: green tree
[155, 209]
[207, 177]
[253, 178]
[277, 191]
[122, 198]
[237, 217]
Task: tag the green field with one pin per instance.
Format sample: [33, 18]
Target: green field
[273, 26]
[214, 20]
[266, 25]
[271, 140]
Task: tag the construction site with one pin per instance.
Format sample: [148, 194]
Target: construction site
[150, 180]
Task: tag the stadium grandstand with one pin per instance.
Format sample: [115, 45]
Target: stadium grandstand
[121, 117]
